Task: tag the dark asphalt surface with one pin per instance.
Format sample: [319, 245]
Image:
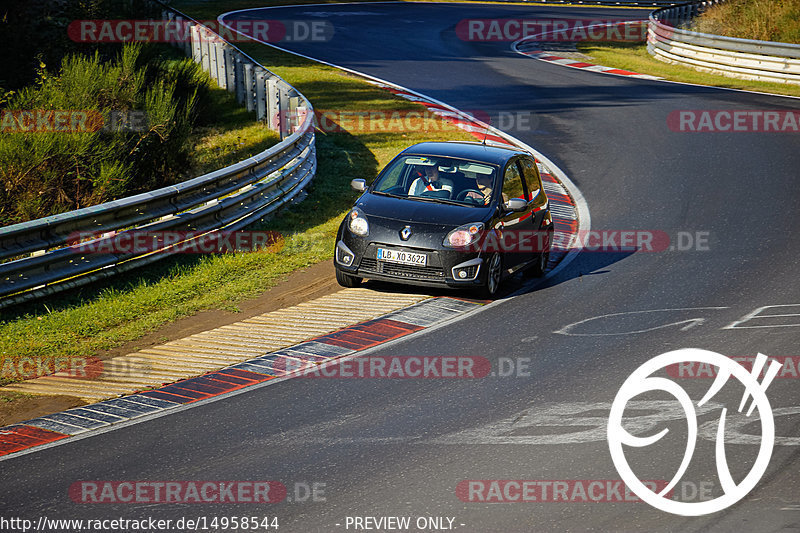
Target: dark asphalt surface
[400, 447]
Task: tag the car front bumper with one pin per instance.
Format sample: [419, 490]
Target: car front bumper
[444, 268]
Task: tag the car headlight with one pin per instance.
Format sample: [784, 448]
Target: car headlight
[464, 236]
[357, 222]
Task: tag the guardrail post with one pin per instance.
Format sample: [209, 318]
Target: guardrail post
[186, 36]
[273, 104]
[294, 103]
[248, 86]
[194, 33]
[230, 69]
[238, 71]
[261, 94]
[201, 41]
[283, 96]
[213, 44]
[177, 32]
[167, 20]
[222, 75]
[205, 45]
[302, 112]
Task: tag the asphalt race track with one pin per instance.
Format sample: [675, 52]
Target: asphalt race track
[381, 448]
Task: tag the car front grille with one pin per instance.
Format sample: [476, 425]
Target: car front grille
[402, 271]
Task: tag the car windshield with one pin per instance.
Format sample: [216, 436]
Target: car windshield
[438, 179]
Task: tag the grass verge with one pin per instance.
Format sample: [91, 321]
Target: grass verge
[233, 135]
[84, 322]
[633, 56]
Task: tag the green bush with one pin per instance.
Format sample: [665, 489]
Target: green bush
[47, 172]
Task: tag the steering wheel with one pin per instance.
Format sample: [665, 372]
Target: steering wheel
[463, 194]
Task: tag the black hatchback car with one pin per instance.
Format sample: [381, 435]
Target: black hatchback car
[448, 214]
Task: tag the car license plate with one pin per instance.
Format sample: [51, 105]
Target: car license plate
[404, 258]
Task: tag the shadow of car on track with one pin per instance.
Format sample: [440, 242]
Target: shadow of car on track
[584, 265]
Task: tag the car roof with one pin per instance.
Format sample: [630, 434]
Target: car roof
[474, 151]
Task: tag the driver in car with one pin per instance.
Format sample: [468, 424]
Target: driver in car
[430, 182]
[485, 186]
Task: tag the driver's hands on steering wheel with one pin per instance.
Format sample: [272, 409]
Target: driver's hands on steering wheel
[474, 194]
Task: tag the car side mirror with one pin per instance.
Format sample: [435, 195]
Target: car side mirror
[516, 205]
[359, 185]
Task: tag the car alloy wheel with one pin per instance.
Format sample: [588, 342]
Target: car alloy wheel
[493, 276]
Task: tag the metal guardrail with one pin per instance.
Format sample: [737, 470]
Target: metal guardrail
[736, 58]
[40, 255]
[607, 3]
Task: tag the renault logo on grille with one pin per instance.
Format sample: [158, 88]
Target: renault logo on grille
[405, 233]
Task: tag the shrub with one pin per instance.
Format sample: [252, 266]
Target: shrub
[50, 172]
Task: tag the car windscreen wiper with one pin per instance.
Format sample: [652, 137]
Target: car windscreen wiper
[392, 195]
[437, 200]
[422, 198]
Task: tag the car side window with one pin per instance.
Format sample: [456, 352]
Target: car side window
[531, 173]
[512, 183]
[393, 177]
